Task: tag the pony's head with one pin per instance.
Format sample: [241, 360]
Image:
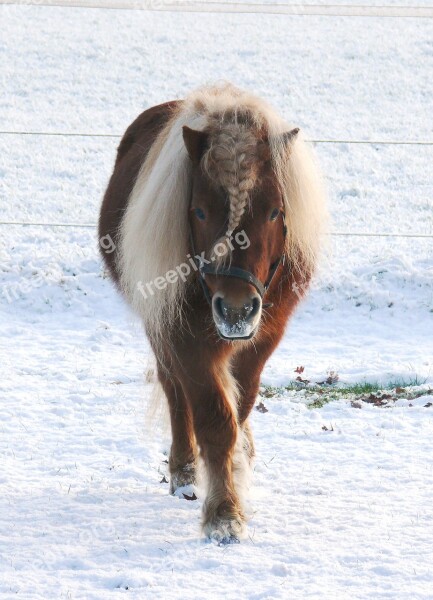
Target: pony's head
[236, 219]
[221, 176]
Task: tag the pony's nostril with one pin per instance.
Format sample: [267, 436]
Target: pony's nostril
[220, 307]
[255, 306]
[252, 307]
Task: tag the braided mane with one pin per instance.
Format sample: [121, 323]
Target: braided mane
[232, 161]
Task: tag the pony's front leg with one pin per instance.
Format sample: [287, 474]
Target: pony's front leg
[212, 399]
[183, 452]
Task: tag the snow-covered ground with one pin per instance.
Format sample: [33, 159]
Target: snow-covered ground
[341, 497]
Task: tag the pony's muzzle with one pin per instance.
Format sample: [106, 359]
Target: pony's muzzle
[236, 320]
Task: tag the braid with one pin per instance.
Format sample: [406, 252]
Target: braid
[238, 204]
[232, 161]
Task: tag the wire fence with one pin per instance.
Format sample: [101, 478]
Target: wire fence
[327, 10]
[314, 141]
[227, 8]
[332, 234]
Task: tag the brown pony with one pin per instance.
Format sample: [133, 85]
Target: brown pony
[215, 210]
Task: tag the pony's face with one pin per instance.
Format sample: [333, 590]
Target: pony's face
[255, 246]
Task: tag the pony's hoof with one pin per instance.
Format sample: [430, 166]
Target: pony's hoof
[226, 540]
[182, 478]
[225, 531]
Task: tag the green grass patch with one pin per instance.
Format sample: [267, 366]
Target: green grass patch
[371, 392]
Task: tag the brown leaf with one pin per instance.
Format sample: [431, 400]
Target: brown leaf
[299, 370]
[399, 390]
[261, 408]
[164, 480]
[299, 378]
[193, 497]
[373, 399]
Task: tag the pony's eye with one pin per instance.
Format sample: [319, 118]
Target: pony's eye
[199, 213]
[274, 214]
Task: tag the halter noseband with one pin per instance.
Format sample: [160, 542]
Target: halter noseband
[236, 272]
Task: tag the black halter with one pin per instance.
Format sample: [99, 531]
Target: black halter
[212, 269]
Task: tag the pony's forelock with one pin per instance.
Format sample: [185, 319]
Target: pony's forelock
[154, 231]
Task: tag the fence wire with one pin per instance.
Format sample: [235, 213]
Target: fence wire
[326, 10]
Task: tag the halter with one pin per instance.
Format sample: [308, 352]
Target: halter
[236, 272]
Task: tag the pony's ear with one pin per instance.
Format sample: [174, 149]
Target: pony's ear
[195, 142]
[289, 136]
[286, 139]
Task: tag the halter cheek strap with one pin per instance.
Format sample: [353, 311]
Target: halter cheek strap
[238, 273]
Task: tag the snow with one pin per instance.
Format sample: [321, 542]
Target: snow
[341, 497]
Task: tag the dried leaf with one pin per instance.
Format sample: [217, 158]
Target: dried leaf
[261, 408]
[164, 480]
[193, 497]
[376, 400]
[299, 370]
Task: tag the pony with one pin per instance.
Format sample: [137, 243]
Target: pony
[215, 210]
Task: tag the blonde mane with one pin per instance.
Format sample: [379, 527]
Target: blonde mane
[154, 231]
